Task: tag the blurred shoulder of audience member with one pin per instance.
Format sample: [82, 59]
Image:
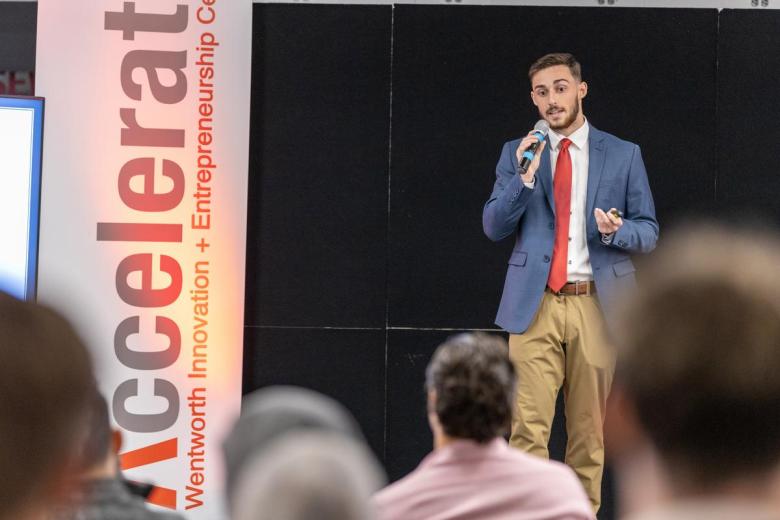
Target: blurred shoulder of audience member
[472, 472]
[45, 379]
[698, 377]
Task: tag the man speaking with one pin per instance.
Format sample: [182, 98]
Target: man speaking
[578, 203]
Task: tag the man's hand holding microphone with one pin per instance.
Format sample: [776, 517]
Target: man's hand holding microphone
[529, 151]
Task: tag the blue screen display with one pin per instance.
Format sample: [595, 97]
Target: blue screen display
[21, 142]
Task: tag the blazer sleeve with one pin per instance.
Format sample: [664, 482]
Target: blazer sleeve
[639, 232]
[508, 201]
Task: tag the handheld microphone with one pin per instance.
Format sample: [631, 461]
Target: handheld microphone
[540, 130]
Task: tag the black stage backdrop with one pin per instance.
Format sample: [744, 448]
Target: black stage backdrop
[375, 133]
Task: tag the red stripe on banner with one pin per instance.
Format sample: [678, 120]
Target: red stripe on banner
[150, 454]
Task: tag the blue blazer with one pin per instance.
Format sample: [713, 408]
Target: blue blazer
[616, 179]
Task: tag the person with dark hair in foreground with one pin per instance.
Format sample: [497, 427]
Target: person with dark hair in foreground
[102, 493]
[695, 413]
[472, 472]
[45, 383]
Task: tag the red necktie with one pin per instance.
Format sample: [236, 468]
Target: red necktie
[562, 196]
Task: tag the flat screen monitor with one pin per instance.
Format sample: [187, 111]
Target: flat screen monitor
[21, 142]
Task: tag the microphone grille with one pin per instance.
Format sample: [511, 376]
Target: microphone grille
[542, 126]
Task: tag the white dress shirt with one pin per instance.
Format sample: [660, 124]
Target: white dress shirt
[578, 267]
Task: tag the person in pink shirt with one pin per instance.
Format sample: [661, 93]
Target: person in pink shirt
[472, 472]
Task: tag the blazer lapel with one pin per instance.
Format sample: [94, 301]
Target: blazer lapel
[597, 154]
[545, 175]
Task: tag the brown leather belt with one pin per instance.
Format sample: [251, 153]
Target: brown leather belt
[576, 289]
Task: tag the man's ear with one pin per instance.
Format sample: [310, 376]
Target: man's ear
[433, 419]
[622, 428]
[533, 99]
[583, 88]
[116, 441]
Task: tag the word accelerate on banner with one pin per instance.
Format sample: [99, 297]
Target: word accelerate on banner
[140, 266]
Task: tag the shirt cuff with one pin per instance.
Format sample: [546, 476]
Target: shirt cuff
[606, 238]
[530, 185]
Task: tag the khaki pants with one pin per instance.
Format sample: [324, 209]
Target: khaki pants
[565, 346]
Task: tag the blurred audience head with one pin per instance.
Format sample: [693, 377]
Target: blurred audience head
[471, 388]
[45, 384]
[314, 475]
[699, 370]
[272, 413]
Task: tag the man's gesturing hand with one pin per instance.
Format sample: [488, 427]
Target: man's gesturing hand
[522, 147]
[607, 222]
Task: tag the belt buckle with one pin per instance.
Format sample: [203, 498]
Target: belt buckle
[585, 288]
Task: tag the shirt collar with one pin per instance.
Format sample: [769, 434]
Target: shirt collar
[579, 138]
[465, 449]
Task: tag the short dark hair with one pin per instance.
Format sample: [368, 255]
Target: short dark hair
[701, 353]
[474, 382]
[45, 381]
[556, 58]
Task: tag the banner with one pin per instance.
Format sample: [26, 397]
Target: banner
[143, 220]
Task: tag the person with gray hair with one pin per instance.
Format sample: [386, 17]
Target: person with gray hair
[313, 475]
[698, 380]
[273, 413]
[473, 473]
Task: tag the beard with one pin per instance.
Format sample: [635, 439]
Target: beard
[573, 112]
